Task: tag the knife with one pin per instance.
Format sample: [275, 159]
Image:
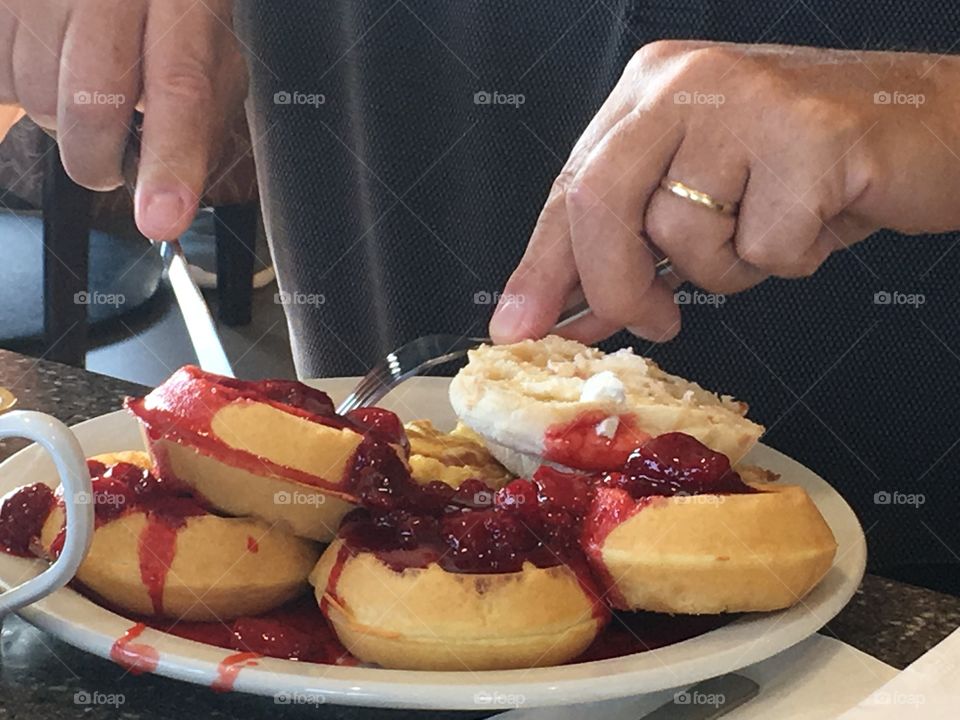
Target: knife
[706, 700]
[196, 314]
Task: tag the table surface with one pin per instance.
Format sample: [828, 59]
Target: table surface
[40, 676]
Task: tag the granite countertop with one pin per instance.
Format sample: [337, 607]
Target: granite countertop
[42, 678]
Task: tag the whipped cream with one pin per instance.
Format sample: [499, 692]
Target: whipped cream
[608, 427]
[603, 387]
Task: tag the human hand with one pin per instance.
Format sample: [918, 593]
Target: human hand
[81, 68]
[819, 147]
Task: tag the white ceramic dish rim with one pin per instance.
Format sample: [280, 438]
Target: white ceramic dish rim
[81, 623]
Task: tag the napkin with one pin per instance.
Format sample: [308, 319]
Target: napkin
[928, 688]
[819, 678]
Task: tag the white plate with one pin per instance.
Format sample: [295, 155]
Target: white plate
[80, 622]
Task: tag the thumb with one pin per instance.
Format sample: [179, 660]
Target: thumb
[539, 288]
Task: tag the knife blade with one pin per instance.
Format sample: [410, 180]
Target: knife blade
[707, 700]
[196, 313]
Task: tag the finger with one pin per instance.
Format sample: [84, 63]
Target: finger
[590, 329]
[9, 23]
[538, 289]
[778, 227]
[842, 231]
[181, 43]
[543, 304]
[697, 239]
[546, 275]
[36, 64]
[606, 206]
[99, 85]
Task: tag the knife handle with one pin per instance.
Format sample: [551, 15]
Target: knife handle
[707, 700]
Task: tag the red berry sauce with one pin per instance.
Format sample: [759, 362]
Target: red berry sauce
[576, 444]
[182, 410]
[296, 631]
[22, 514]
[554, 518]
[124, 488]
[557, 517]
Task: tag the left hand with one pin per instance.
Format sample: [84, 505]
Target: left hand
[819, 147]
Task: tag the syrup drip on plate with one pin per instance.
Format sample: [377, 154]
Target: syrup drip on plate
[136, 658]
[230, 667]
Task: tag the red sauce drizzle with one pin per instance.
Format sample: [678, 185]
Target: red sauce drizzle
[330, 591]
[576, 444]
[157, 546]
[125, 488]
[252, 544]
[182, 410]
[136, 658]
[230, 667]
[611, 507]
[297, 631]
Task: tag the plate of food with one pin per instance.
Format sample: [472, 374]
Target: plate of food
[552, 525]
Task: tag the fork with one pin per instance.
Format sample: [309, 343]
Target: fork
[428, 351]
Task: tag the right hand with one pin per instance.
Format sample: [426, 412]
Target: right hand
[81, 68]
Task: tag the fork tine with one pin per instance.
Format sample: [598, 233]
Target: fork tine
[426, 352]
[405, 362]
[360, 397]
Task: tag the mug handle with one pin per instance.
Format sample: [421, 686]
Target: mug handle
[63, 447]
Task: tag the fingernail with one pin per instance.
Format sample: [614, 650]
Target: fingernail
[507, 323]
[161, 214]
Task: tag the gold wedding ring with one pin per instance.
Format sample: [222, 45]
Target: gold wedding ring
[7, 400]
[700, 198]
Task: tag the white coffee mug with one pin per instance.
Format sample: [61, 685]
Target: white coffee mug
[56, 438]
